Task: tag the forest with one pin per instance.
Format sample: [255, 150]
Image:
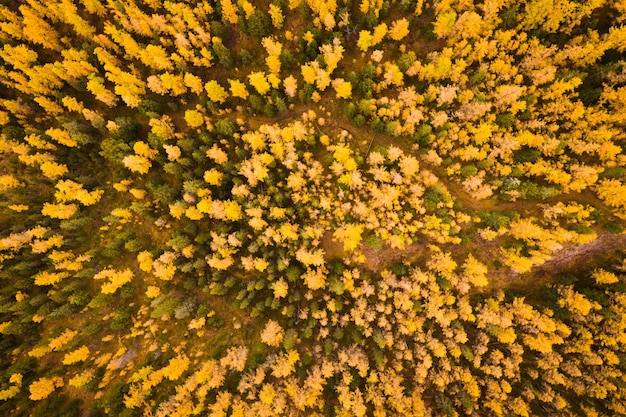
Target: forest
[312, 208]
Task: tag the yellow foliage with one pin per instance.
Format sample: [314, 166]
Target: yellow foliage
[115, 279]
[276, 16]
[62, 339]
[232, 210]
[365, 40]
[81, 379]
[18, 207]
[213, 176]
[75, 356]
[4, 326]
[137, 193]
[315, 279]
[291, 86]
[14, 389]
[342, 88]
[604, 277]
[137, 163]
[39, 352]
[53, 170]
[281, 288]
[176, 367]
[194, 118]
[193, 213]
[217, 155]
[314, 257]
[259, 81]
[229, 12]
[43, 387]
[123, 213]
[272, 334]
[164, 271]
[238, 89]
[62, 136]
[143, 149]
[50, 278]
[308, 73]
[576, 302]
[350, 235]
[7, 182]
[475, 271]
[153, 292]
[216, 92]
[380, 32]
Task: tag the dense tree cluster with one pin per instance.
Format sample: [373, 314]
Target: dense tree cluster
[312, 207]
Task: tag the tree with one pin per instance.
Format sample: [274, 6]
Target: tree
[365, 40]
[259, 24]
[38, 30]
[291, 86]
[53, 170]
[350, 235]
[59, 211]
[475, 271]
[115, 279]
[43, 387]
[277, 16]
[176, 367]
[75, 356]
[272, 334]
[137, 163]
[342, 88]
[194, 118]
[216, 92]
[604, 277]
[223, 54]
[238, 89]
[259, 81]
[229, 12]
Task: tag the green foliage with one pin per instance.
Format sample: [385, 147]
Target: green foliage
[223, 55]
[259, 25]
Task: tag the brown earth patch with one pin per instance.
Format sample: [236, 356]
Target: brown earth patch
[573, 259]
[375, 259]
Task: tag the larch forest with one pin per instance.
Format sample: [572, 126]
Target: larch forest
[312, 208]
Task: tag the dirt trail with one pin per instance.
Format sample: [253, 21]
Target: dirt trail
[375, 259]
[570, 260]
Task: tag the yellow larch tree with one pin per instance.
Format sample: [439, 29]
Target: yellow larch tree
[343, 88]
[291, 86]
[349, 235]
[75, 356]
[38, 30]
[176, 367]
[276, 14]
[53, 170]
[216, 92]
[272, 334]
[59, 211]
[137, 163]
[49, 278]
[238, 89]
[229, 12]
[194, 118]
[365, 40]
[114, 279]
[475, 271]
[259, 81]
[43, 387]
